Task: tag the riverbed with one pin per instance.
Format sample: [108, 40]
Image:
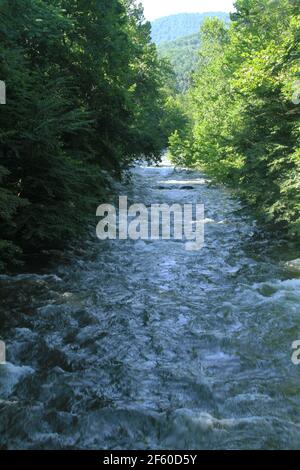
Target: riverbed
[144, 345]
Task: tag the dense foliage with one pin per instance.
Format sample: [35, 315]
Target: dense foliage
[245, 114]
[183, 56]
[173, 27]
[85, 98]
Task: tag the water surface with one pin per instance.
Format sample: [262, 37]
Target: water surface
[143, 345]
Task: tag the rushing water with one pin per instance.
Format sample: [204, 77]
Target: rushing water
[143, 345]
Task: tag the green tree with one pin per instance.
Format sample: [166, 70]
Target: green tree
[245, 121]
[85, 99]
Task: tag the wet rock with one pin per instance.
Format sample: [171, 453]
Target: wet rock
[293, 265]
[187, 188]
[166, 188]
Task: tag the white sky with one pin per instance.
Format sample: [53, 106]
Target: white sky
[157, 8]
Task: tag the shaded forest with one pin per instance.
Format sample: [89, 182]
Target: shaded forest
[86, 96]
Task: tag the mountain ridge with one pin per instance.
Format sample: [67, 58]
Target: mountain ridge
[172, 27]
[183, 55]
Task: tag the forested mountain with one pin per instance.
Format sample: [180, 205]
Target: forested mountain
[183, 55]
[244, 126]
[181, 52]
[85, 98]
[172, 27]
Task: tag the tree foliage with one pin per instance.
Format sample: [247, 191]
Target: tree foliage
[183, 56]
[245, 115]
[85, 97]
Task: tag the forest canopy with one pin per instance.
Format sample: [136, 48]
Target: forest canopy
[183, 56]
[178, 41]
[86, 96]
[244, 114]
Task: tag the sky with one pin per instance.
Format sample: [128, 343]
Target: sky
[157, 8]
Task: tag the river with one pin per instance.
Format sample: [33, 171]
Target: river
[144, 345]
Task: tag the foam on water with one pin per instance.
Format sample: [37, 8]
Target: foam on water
[10, 376]
[144, 345]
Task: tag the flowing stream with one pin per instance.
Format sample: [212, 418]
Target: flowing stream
[144, 345]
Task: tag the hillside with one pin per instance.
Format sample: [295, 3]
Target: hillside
[183, 54]
[173, 27]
